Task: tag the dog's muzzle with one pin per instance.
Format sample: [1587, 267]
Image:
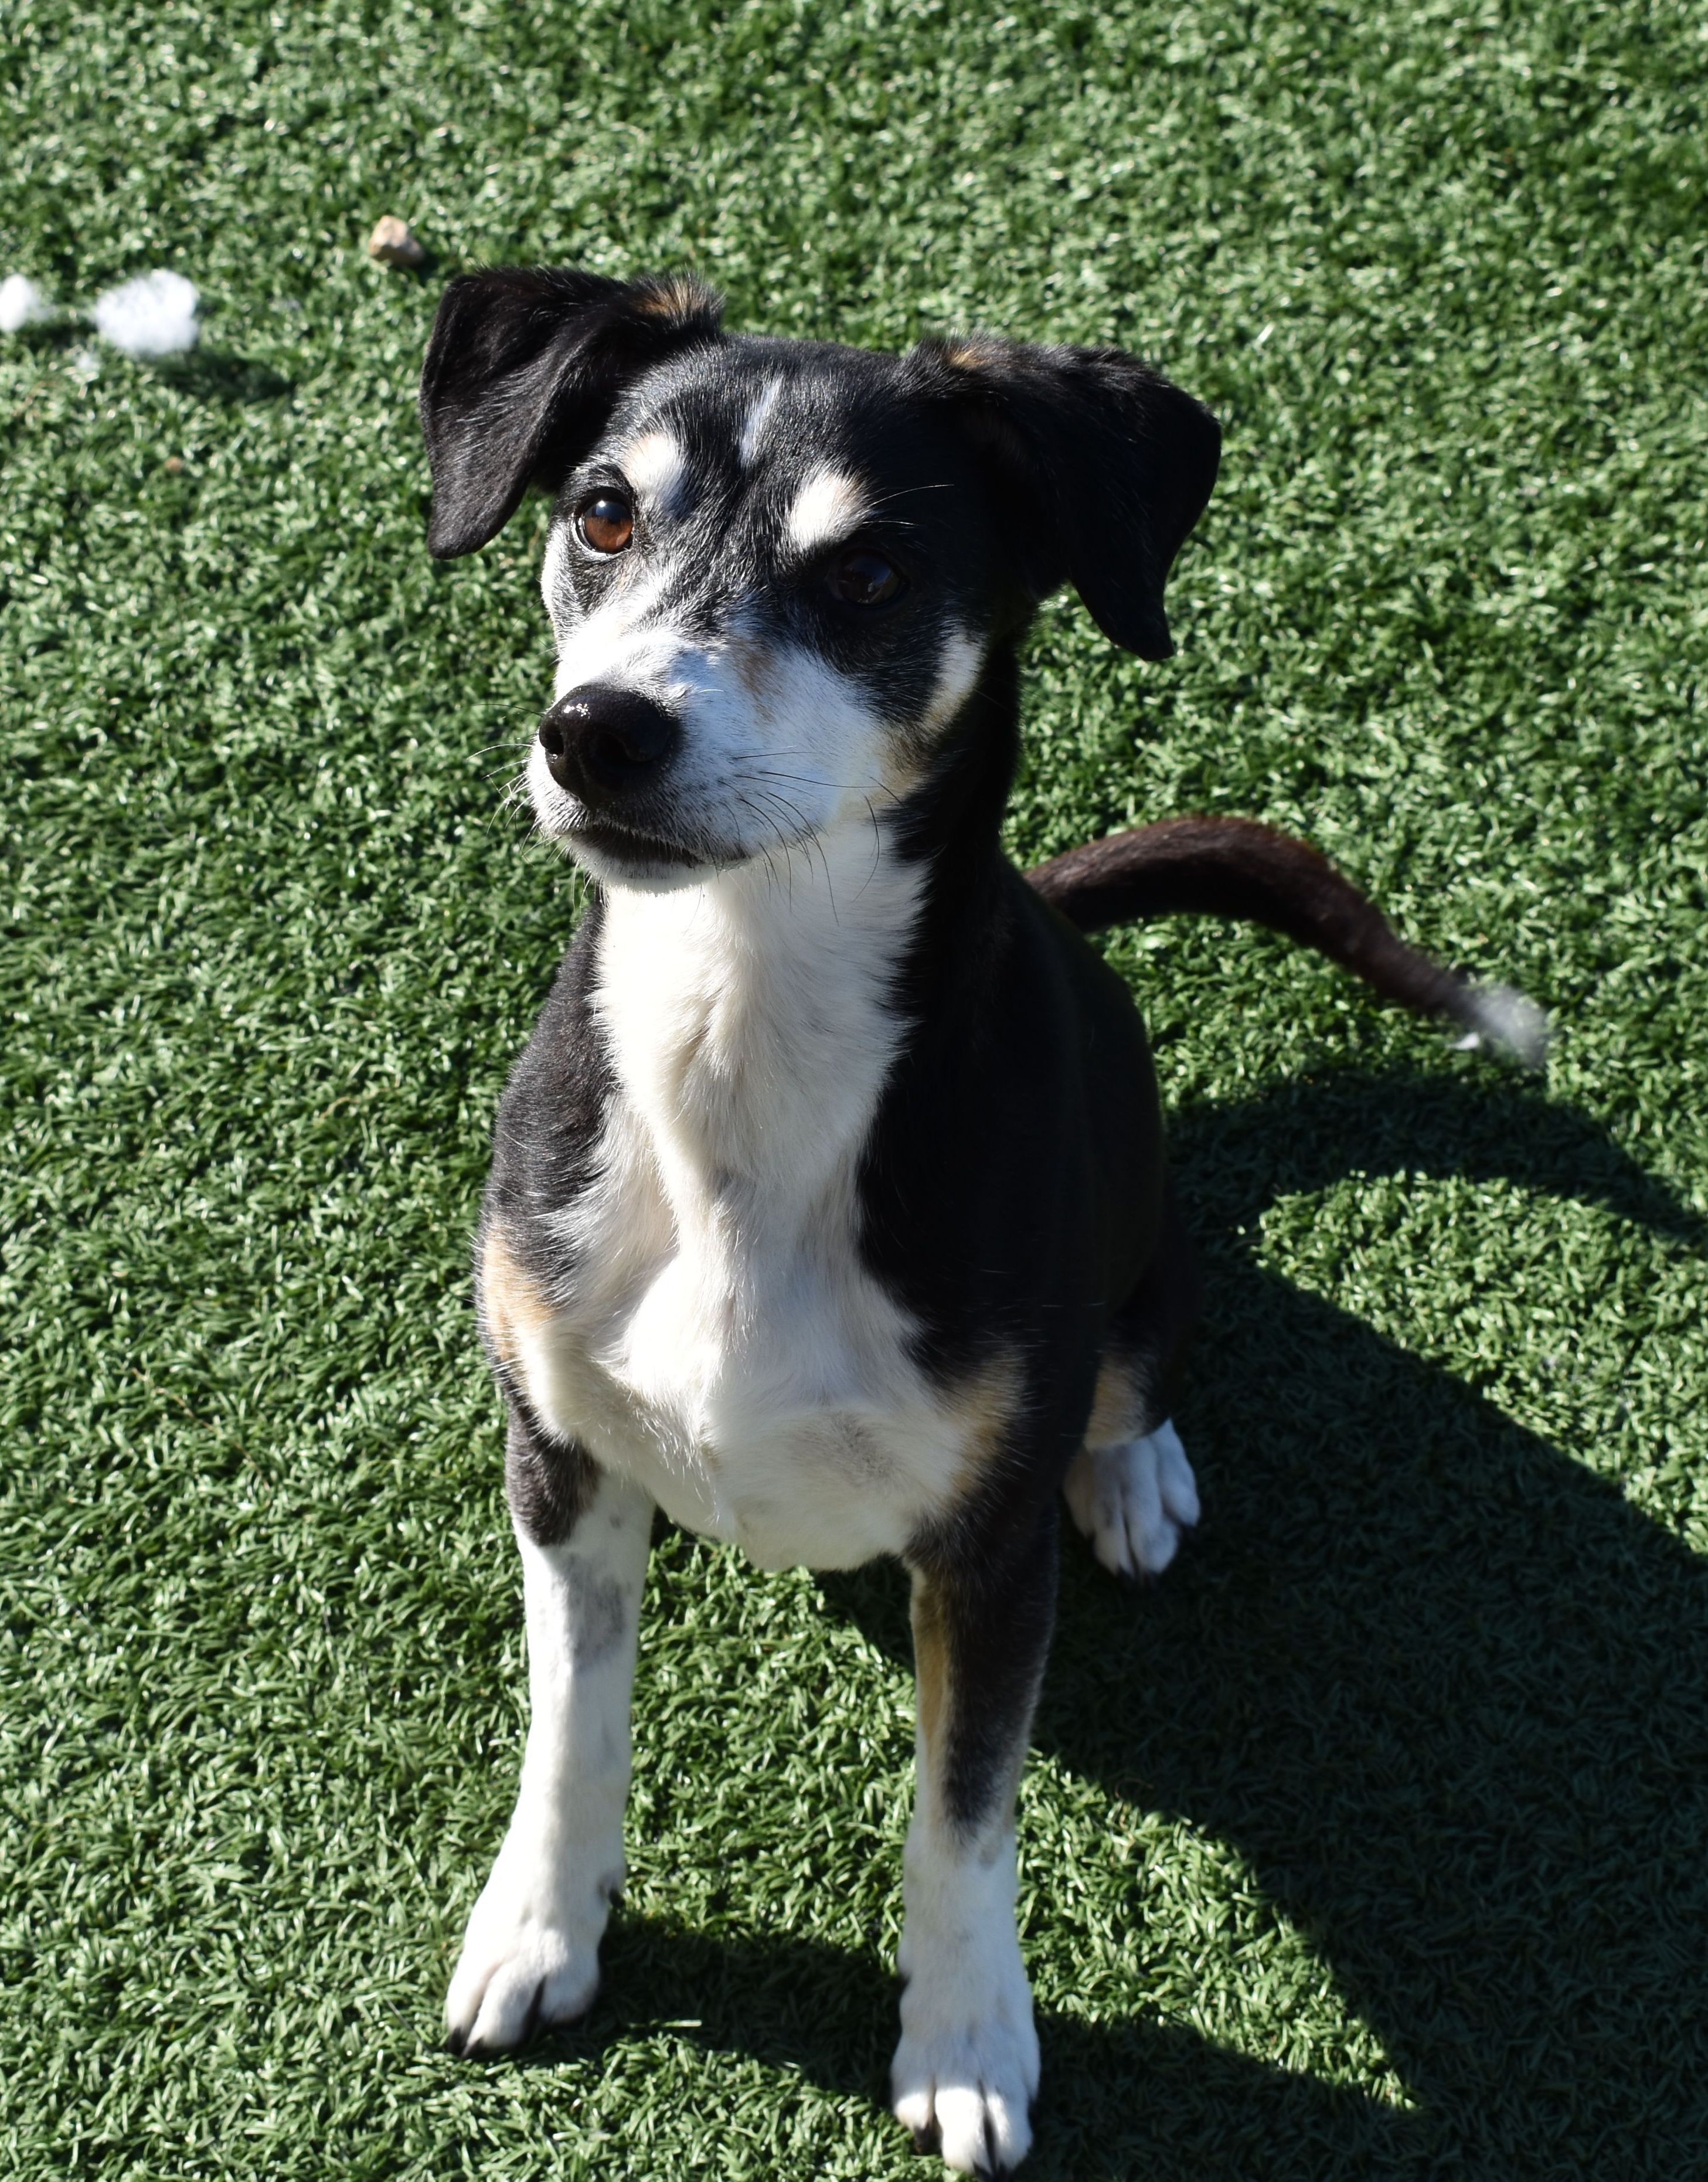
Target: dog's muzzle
[606, 747]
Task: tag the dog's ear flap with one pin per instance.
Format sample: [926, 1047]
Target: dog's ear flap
[1103, 467]
[524, 369]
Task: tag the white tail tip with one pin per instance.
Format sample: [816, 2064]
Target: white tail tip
[1503, 1017]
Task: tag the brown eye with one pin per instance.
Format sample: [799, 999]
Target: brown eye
[607, 522]
[864, 577]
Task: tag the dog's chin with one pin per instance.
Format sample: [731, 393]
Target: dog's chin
[648, 863]
[651, 863]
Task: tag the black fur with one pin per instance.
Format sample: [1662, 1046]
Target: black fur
[548, 1486]
[521, 373]
[543, 1143]
[988, 1604]
[1120, 463]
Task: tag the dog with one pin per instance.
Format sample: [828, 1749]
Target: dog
[828, 1209]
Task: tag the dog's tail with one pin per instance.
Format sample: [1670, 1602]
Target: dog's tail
[1236, 868]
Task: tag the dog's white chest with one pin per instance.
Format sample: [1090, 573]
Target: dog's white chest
[721, 1342]
[762, 1395]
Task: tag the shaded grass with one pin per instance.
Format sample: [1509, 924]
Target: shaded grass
[1367, 1843]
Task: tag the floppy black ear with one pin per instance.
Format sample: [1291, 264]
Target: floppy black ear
[1104, 466]
[524, 369]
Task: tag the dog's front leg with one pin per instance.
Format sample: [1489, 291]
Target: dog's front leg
[531, 1952]
[967, 2066]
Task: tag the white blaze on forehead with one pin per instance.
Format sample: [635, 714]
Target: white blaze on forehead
[622, 641]
[829, 506]
[757, 418]
[656, 465]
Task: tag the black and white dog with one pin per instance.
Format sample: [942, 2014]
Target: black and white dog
[828, 1209]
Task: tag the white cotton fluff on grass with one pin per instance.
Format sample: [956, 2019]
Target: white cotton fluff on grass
[22, 303]
[153, 315]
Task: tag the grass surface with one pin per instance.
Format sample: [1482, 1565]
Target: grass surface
[1370, 1842]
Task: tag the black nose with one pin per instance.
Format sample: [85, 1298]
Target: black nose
[603, 743]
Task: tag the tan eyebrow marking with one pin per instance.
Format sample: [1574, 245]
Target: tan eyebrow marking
[757, 418]
[829, 506]
[656, 466]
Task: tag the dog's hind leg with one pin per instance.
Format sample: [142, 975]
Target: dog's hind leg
[531, 1952]
[1131, 1489]
[966, 2069]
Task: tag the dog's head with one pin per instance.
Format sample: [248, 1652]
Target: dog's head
[776, 568]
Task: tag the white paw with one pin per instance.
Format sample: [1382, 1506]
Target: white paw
[966, 2069]
[1133, 1500]
[530, 1955]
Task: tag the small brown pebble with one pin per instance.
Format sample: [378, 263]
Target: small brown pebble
[173, 464]
[392, 243]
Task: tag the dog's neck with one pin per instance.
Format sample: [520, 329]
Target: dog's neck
[752, 1017]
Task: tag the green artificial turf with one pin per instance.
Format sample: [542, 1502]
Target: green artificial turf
[1369, 1842]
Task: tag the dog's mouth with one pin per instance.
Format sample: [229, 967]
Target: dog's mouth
[650, 842]
[630, 847]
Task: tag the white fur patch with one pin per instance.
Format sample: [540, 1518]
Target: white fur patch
[531, 1952]
[967, 2066]
[776, 745]
[831, 505]
[723, 1344]
[1508, 1020]
[554, 589]
[1133, 1500]
[956, 673]
[752, 430]
[656, 466]
[154, 315]
[615, 643]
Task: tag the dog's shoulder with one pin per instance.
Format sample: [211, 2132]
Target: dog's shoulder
[1015, 1159]
[555, 1105]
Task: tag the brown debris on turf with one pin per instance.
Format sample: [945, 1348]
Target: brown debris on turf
[392, 243]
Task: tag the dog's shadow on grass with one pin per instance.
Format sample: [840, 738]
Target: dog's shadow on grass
[212, 374]
[1128, 2099]
[1443, 1691]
